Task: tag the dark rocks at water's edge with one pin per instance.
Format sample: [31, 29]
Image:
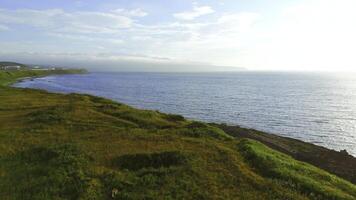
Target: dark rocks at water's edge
[340, 163]
[345, 152]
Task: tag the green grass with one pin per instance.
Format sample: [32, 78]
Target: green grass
[55, 146]
[290, 172]
[8, 77]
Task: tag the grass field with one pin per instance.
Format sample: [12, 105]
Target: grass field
[56, 146]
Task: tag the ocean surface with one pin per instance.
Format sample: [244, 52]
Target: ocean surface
[313, 107]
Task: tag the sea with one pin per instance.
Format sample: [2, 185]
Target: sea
[313, 107]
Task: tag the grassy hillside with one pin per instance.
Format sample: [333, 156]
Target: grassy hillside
[335, 162]
[55, 146]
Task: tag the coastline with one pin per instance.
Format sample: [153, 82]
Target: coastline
[300, 116]
[336, 162]
[7, 78]
[73, 146]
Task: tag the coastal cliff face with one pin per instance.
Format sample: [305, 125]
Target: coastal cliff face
[56, 146]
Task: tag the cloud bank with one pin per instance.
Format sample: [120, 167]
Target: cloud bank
[304, 35]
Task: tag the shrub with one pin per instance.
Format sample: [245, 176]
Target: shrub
[56, 172]
[174, 118]
[49, 115]
[153, 160]
[199, 129]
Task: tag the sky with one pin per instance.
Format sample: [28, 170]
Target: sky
[181, 35]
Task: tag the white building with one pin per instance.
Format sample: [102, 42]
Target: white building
[14, 67]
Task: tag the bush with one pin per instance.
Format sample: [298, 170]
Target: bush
[50, 115]
[199, 129]
[154, 160]
[53, 172]
[174, 118]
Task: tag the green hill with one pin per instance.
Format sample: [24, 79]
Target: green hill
[8, 77]
[56, 146]
[4, 63]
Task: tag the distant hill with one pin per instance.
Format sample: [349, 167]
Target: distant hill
[2, 64]
[5, 64]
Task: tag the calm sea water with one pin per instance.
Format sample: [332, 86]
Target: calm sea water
[314, 107]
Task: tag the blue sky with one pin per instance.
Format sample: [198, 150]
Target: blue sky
[176, 35]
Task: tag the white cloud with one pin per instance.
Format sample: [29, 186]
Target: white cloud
[241, 22]
[196, 12]
[57, 20]
[219, 38]
[217, 41]
[4, 28]
[315, 34]
[84, 38]
[132, 13]
[30, 17]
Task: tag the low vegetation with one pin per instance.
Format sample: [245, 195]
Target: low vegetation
[335, 162]
[56, 146]
[10, 76]
[292, 173]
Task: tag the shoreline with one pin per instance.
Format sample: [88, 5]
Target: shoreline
[75, 145]
[331, 160]
[336, 162]
[206, 121]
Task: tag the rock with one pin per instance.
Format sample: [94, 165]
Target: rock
[344, 152]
